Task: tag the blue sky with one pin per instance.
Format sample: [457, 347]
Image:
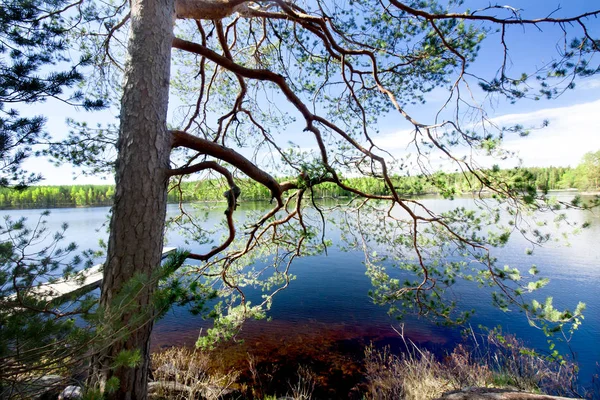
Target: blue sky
[574, 117]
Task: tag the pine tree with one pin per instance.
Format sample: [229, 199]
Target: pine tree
[35, 336]
[33, 44]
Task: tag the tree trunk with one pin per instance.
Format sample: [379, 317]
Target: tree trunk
[137, 224]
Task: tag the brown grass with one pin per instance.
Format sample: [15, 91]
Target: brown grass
[500, 361]
[495, 361]
[403, 377]
[303, 388]
[185, 374]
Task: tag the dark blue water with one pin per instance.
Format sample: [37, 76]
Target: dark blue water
[329, 298]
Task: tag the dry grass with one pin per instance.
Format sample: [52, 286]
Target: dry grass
[304, 387]
[185, 374]
[523, 369]
[407, 377]
[495, 361]
[300, 388]
[501, 361]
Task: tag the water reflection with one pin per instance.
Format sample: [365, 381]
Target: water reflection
[326, 315]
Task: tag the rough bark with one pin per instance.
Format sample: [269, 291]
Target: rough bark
[137, 224]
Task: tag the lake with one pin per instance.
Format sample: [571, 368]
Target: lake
[326, 317]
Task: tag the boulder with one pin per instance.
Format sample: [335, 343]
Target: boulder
[495, 394]
[169, 386]
[167, 369]
[40, 387]
[70, 393]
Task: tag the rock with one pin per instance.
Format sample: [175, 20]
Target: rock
[158, 388]
[167, 369]
[168, 386]
[214, 391]
[40, 387]
[495, 394]
[70, 393]
[49, 380]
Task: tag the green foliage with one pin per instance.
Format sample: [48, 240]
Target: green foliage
[415, 274]
[112, 384]
[127, 359]
[91, 149]
[33, 36]
[95, 393]
[355, 64]
[575, 62]
[227, 323]
[38, 336]
[587, 174]
[448, 185]
[57, 196]
[179, 286]
[553, 320]
[176, 286]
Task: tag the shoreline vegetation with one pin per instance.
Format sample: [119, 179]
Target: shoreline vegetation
[408, 372]
[211, 190]
[491, 360]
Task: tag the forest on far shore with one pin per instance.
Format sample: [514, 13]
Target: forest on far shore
[585, 177]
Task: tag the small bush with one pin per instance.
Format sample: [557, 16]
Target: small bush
[304, 387]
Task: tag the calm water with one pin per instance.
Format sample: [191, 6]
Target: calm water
[326, 313]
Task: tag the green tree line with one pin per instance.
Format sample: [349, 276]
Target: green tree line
[57, 196]
[586, 176]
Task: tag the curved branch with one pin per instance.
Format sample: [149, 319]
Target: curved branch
[201, 166]
[206, 9]
[259, 74]
[184, 139]
[232, 193]
[472, 16]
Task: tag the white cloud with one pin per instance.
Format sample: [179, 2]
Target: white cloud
[573, 131]
[591, 83]
[395, 142]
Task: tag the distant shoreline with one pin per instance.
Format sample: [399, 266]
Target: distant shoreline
[412, 195]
